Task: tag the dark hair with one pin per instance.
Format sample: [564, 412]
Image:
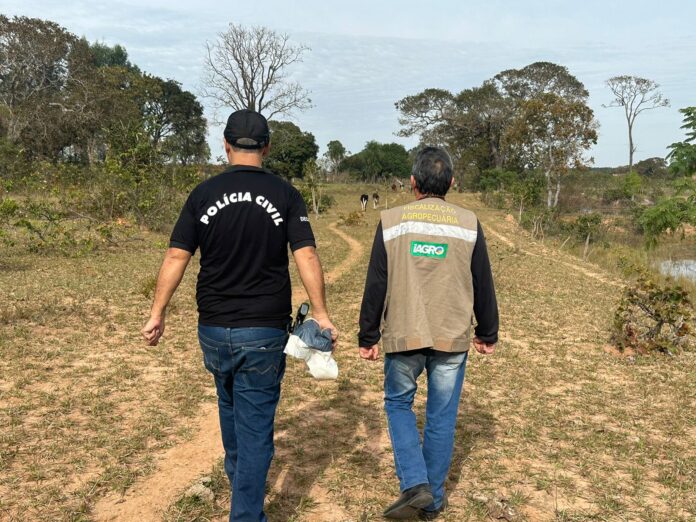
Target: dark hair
[432, 171]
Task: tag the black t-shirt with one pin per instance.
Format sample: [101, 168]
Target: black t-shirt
[243, 220]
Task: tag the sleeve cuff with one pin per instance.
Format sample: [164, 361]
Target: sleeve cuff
[490, 339]
[301, 244]
[367, 340]
[182, 246]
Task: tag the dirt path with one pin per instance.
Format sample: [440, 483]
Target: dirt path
[148, 498]
[545, 252]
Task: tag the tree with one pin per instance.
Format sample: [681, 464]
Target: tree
[247, 68]
[632, 185]
[670, 214]
[379, 161]
[551, 134]
[335, 154]
[174, 121]
[682, 156]
[291, 148]
[635, 95]
[540, 78]
[106, 56]
[473, 123]
[40, 65]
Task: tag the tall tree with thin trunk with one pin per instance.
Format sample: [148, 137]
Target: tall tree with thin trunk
[635, 95]
[551, 134]
[247, 68]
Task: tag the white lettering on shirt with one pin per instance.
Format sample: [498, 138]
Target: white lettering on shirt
[239, 197]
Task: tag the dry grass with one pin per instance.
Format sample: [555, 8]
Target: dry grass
[556, 423]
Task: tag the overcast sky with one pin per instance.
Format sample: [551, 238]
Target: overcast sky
[366, 55]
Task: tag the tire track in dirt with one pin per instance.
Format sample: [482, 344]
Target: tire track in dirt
[149, 498]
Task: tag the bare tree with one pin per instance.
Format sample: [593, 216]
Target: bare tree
[635, 95]
[246, 68]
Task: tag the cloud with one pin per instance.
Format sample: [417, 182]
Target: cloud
[366, 55]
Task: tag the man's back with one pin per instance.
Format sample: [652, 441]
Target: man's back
[242, 220]
[429, 302]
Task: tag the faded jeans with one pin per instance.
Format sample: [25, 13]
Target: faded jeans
[427, 462]
[248, 365]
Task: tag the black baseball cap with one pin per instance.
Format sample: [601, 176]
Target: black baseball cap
[247, 129]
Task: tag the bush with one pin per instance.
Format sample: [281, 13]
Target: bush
[326, 201]
[654, 317]
[541, 221]
[668, 215]
[353, 219]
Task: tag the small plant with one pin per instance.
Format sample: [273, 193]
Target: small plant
[588, 228]
[654, 317]
[147, 286]
[351, 220]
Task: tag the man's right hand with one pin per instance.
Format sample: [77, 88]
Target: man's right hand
[483, 347]
[370, 353]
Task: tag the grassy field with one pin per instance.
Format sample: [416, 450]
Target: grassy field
[556, 426]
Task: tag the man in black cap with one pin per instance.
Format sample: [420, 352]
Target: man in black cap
[243, 220]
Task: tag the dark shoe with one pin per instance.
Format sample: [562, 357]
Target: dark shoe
[410, 502]
[432, 515]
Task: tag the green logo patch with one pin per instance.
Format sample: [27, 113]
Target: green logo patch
[423, 249]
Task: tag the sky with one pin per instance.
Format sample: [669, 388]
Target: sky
[366, 55]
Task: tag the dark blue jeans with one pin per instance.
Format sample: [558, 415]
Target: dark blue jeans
[248, 365]
[427, 462]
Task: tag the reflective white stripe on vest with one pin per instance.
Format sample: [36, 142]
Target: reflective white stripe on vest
[430, 229]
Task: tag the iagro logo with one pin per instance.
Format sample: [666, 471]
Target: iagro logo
[423, 249]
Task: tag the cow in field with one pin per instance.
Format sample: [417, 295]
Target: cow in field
[363, 201]
[375, 200]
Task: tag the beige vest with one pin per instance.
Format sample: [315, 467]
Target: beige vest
[430, 294]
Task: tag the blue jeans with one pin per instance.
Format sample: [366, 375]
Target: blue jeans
[427, 462]
[248, 365]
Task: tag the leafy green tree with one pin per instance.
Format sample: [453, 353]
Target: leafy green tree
[470, 124]
[41, 67]
[551, 134]
[291, 148]
[669, 214]
[379, 162]
[475, 125]
[174, 121]
[538, 79]
[651, 167]
[682, 156]
[335, 154]
[588, 228]
[104, 55]
[526, 192]
[632, 184]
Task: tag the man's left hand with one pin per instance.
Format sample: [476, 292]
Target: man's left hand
[153, 330]
[371, 353]
[483, 347]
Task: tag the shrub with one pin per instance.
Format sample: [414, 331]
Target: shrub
[353, 219]
[326, 201]
[541, 221]
[669, 215]
[653, 317]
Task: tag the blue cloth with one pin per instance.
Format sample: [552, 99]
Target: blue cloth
[427, 462]
[248, 365]
[313, 336]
